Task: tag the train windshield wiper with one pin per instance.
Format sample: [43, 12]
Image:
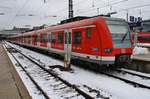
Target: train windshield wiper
[124, 36]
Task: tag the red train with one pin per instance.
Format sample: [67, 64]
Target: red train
[144, 37]
[102, 40]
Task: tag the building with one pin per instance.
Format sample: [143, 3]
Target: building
[5, 33]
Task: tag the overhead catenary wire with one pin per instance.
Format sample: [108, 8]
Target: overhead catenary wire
[95, 8]
[4, 7]
[92, 9]
[120, 10]
[139, 6]
[18, 11]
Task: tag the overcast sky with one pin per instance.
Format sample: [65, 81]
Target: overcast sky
[26, 13]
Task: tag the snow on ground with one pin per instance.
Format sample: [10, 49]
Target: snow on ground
[140, 50]
[109, 86]
[143, 44]
[33, 91]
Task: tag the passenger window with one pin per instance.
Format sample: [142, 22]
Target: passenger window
[44, 37]
[33, 38]
[66, 38]
[88, 32]
[60, 37]
[53, 38]
[69, 38]
[49, 38]
[77, 37]
[38, 38]
[28, 39]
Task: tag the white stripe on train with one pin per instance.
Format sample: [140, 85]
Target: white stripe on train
[93, 57]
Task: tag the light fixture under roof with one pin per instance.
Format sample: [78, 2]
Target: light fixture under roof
[1, 13]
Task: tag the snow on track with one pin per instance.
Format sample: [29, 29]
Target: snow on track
[54, 88]
[136, 72]
[32, 89]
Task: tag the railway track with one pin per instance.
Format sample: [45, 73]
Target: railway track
[35, 70]
[135, 79]
[132, 73]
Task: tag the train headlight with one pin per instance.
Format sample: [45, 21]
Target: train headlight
[108, 50]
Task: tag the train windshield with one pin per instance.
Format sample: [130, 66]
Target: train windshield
[120, 33]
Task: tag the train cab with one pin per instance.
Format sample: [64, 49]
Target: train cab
[120, 33]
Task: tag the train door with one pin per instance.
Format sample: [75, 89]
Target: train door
[31, 39]
[67, 47]
[34, 39]
[49, 40]
[38, 39]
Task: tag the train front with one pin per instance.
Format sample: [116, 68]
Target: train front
[121, 40]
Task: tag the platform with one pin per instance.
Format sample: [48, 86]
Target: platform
[11, 86]
[142, 57]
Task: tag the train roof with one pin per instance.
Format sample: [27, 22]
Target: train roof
[114, 19]
[79, 23]
[83, 22]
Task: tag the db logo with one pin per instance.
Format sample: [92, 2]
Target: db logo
[123, 50]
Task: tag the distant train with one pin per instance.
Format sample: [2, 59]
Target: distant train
[101, 40]
[144, 37]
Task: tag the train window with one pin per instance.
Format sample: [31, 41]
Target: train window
[28, 39]
[77, 38]
[49, 37]
[88, 32]
[38, 38]
[144, 38]
[32, 38]
[45, 38]
[69, 38]
[139, 38]
[66, 38]
[53, 38]
[60, 37]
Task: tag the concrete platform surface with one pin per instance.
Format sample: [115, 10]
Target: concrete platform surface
[8, 87]
[142, 57]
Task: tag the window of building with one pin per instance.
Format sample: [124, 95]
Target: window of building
[77, 37]
[88, 32]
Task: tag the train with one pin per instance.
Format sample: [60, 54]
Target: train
[143, 35]
[100, 40]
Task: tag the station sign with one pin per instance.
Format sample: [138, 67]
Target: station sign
[135, 19]
[131, 18]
